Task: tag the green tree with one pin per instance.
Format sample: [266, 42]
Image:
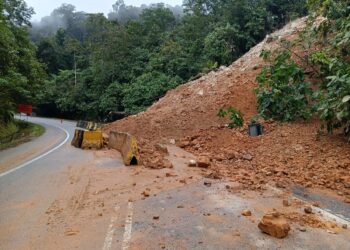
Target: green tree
[21, 74]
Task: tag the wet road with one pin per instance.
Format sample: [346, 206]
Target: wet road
[28, 187]
[76, 199]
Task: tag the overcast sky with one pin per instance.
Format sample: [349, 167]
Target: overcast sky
[44, 7]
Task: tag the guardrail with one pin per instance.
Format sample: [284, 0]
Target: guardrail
[92, 126]
[126, 144]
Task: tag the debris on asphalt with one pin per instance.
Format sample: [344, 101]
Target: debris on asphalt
[192, 163]
[274, 224]
[207, 183]
[71, 232]
[145, 194]
[246, 212]
[203, 162]
[286, 203]
[308, 209]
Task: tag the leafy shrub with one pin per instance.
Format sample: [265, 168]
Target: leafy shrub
[333, 95]
[147, 89]
[283, 93]
[236, 119]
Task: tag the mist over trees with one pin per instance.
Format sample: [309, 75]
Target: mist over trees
[84, 65]
[128, 60]
[124, 13]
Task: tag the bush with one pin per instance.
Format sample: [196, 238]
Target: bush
[283, 93]
[147, 89]
[332, 60]
[236, 119]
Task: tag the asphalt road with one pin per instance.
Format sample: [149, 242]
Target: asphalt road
[60, 197]
[23, 153]
[28, 187]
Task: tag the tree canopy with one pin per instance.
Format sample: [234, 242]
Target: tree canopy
[126, 61]
[21, 74]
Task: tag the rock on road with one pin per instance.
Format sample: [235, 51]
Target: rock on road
[76, 199]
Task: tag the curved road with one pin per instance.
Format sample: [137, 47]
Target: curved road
[56, 134]
[54, 196]
[30, 181]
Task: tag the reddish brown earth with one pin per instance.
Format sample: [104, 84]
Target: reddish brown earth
[287, 153]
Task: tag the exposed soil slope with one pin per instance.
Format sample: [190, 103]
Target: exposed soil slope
[287, 153]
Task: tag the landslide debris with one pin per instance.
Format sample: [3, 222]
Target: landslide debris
[274, 224]
[287, 153]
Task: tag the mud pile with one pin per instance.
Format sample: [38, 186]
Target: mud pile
[287, 153]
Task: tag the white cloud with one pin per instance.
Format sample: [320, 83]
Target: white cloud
[44, 7]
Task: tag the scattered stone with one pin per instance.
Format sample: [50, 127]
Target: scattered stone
[203, 162]
[331, 232]
[192, 163]
[246, 212]
[156, 217]
[316, 204]
[167, 163]
[280, 185]
[207, 183]
[184, 144]
[180, 206]
[99, 214]
[274, 224]
[247, 157]
[269, 173]
[302, 229]
[286, 203]
[347, 200]
[145, 193]
[183, 181]
[308, 210]
[269, 38]
[172, 141]
[283, 134]
[71, 232]
[170, 175]
[236, 233]
[344, 226]
[161, 148]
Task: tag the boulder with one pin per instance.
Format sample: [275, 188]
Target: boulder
[203, 162]
[274, 224]
[192, 163]
[246, 212]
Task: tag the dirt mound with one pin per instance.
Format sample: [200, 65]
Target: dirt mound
[194, 106]
[287, 153]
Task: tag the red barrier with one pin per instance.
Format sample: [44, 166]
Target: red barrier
[25, 108]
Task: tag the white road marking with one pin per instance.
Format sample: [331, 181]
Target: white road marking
[326, 214]
[40, 156]
[128, 226]
[109, 236]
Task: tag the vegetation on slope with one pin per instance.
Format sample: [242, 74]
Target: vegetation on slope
[283, 93]
[16, 132]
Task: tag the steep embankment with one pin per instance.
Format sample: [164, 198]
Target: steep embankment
[195, 105]
[289, 153]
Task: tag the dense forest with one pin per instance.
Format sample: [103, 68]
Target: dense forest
[128, 60]
[74, 64]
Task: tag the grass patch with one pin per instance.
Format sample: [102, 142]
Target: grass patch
[18, 132]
